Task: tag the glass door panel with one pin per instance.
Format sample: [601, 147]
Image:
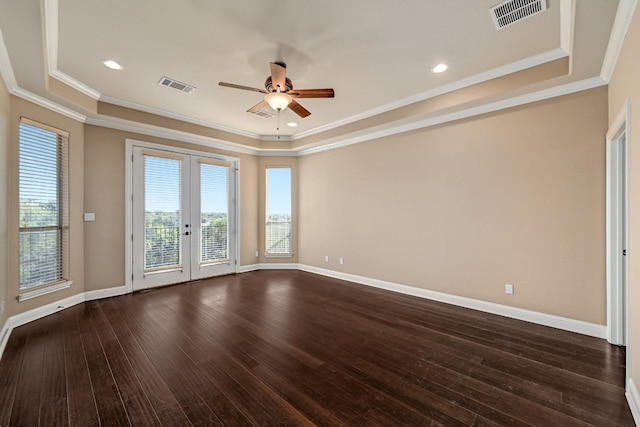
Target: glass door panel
[211, 180]
[183, 217]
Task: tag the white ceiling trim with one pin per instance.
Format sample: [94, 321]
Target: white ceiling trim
[339, 142]
[50, 24]
[618, 33]
[567, 25]
[532, 61]
[75, 84]
[176, 135]
[6, 70]
[48, 104]
[176, 116]
[387, 130]
[50, 31]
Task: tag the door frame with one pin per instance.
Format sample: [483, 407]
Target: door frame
[129, 144]
[618, 281]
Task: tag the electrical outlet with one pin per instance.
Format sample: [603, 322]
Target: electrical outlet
[508, 289]
[257, 254]
[341, 261]
[2, 307]
[326, 258]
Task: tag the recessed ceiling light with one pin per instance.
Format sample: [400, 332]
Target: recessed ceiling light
[112, 64]
[292, 124]
[440, 68]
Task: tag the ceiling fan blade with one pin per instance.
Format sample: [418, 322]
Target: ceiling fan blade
[278, 76]
[311, 93]
[299, 109]
[235, 86]
[259, 106]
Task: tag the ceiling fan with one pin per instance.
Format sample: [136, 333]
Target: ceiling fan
[279, 92]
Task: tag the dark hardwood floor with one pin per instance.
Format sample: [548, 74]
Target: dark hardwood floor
[295, 349]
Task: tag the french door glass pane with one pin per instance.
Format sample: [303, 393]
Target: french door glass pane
[162, 214]
[214, 213]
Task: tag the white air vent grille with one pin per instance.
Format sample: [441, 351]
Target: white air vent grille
[512, 11]
[262, 114]
[174, 84]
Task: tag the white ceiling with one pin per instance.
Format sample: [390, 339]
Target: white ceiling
[376, 54]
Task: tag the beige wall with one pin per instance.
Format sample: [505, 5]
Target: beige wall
[464, 208]
[263, 163]
[21, 108]
[105, 196]
[5, 130]
[625, 83]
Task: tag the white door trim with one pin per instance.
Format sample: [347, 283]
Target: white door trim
[129, 144]
[617, 293]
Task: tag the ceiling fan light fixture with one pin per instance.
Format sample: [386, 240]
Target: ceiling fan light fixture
[278, 101]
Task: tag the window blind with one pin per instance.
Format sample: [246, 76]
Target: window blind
[214, 212]
[162, 212]
[43, 205]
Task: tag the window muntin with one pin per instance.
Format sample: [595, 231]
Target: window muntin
[43, 205]
[278, 211]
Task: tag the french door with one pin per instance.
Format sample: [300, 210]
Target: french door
[183, 217]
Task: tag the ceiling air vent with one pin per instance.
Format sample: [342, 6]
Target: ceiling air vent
[512, 11]
[174, 84]
[262, 114]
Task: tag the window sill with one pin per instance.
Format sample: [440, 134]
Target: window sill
[43, 291]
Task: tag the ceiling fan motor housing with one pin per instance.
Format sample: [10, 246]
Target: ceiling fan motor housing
[268, 85]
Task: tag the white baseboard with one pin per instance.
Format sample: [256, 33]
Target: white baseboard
[585, 328]
[248, 268]
[633, 398]
[4, 336]
[45, 310]
[269, 266]
[105, 293]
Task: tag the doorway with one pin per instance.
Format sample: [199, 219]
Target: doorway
[183, 211]
[617, 231]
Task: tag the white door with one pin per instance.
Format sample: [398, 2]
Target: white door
[183, 214]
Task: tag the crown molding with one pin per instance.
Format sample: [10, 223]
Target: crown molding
[162, 132]
[48, 104]
[176, 116]
[75, 84]
[567, 25]
[50, 31]
[406, 126]
[511, 68]
[6, 70]
[616, 40]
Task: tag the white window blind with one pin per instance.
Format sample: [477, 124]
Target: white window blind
[278, 211]
[162, 212]
[43, 205]
[214, 212]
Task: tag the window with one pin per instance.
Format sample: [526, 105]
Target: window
[278, 212]
[43, 204]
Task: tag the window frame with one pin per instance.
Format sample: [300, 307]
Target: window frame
[62, 255]
[267, 253]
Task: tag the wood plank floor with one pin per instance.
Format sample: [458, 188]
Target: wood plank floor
[291, 348]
